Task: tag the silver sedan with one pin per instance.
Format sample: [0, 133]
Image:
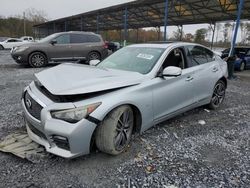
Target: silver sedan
[70, 107]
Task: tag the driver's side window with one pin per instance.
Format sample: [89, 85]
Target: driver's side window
[175, 58]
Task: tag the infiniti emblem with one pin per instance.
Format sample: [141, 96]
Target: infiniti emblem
[28, 103]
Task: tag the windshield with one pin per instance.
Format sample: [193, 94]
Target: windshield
[48, 38]
[136, 59]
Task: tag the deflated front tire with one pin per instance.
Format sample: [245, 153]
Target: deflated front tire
[114, 133]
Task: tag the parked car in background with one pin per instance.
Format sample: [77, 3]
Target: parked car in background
[71, 106]
[113, 46]
[27, 38]
[59, 47]
[10, 43]
[242, 61]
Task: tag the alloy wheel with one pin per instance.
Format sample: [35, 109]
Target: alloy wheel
[123, 130]
[219, 94]
[37, 60]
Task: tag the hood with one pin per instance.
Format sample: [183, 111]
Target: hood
[73, 79]
[30, 44]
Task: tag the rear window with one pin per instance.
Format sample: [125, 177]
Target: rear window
[93, 38]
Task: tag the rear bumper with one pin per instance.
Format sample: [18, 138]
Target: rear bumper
[59, 137]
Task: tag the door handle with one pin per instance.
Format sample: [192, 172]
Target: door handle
[215, 69]
[189, 78]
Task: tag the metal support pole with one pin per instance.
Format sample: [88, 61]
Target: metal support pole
[24, 24]
[181, 32]
[125, 25]
[81, 23]
[236, 28]
[158, 32]
[137, 35]
[165, 20]
[106, 36]
[54, 27]
[213, 29]
[97, 24]
[65, 26]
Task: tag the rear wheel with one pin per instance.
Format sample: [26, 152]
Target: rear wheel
[242, 66]
[218, 95]
[114, 133]
[93, 56]
[37, 59]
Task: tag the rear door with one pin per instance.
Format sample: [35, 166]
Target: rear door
[62, 49]
[205, 71]
[80, 45]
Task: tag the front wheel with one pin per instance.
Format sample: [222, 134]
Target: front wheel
[37, 59]
[114, 133]
[218, 95]
[1, 47]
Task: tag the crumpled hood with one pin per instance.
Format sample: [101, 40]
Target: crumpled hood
[72, 79]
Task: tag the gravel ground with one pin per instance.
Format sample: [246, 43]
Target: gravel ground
[181, 152]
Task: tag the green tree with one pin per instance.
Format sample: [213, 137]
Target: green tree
[200, 35]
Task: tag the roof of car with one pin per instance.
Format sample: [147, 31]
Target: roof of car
[77, 32]
[162, 44]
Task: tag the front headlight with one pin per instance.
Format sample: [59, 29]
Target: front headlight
[76, 114]
[20, 48]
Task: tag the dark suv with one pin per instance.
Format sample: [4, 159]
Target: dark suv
[65, 46]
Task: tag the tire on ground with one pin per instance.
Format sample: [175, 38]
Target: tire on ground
[211, 105]
[34, 60]
[106, 132]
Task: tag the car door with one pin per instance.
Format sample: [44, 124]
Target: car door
[172, 94]
[61, 50]
[205, 71]
[79, 43]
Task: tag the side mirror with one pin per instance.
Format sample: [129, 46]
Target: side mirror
[94, 62]
[171, 71]
[53, 42]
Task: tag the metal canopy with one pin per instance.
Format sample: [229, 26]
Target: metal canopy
[148, 13]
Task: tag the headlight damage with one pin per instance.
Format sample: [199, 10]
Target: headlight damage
[76, 114]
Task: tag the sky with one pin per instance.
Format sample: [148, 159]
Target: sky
[55, 9]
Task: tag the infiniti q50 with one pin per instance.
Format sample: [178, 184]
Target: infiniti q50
[71, 106]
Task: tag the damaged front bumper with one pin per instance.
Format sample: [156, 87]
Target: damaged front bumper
[61, 138]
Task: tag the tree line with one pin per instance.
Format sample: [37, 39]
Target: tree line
[20, 25]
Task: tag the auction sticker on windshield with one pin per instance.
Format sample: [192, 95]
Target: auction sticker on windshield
[145, 56]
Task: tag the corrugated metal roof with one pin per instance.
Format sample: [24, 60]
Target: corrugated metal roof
[150, 13]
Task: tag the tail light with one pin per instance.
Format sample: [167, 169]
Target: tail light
[105, 45]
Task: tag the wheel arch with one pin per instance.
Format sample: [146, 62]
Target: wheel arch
[40, 51]
[224, 80]
[96, 52]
